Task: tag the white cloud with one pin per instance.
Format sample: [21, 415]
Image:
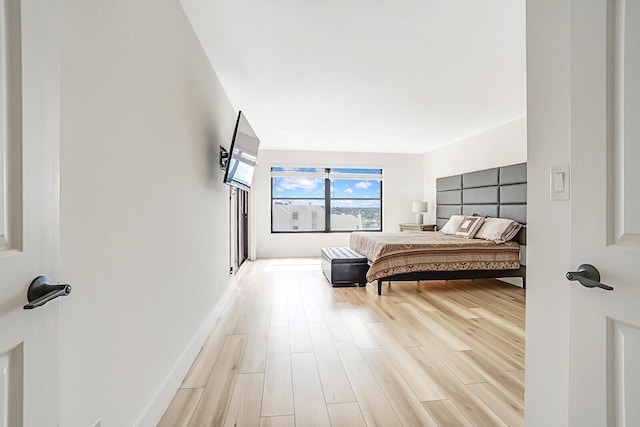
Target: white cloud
[363, 185]
[306, 184]
[348, 190]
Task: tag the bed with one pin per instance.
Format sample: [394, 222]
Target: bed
[409, 256]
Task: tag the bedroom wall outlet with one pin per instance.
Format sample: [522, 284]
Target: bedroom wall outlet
[560, 182]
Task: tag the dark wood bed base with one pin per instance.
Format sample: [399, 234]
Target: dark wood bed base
[451, 275]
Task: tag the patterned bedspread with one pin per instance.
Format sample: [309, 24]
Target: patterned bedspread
[410, 252]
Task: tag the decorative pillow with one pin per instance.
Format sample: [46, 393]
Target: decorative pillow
[469, 226]
[452, 225]
[499, 230]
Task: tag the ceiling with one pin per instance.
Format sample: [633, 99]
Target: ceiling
[402, 76]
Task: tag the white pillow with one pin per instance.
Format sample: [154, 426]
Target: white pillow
[452, 225]
[499, 230]
[469, 226]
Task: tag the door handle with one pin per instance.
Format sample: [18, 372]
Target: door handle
[41, 292]
[588, 276]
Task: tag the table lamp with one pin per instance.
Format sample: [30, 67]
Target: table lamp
[419, 208]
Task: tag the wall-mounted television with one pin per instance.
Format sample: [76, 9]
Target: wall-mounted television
[242, 156]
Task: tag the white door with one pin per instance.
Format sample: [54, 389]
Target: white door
[604, 365]
[29, 211]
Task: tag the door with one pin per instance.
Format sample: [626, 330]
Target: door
[239, 228]
[242, 227]
[29, 224]
[604, 387]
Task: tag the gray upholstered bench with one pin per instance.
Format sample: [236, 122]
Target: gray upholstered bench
[344, 266]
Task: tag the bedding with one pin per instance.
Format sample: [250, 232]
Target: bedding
[452, 224]
[393, 254]
[499, 230]
[469, 226]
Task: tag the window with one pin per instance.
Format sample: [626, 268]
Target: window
[325, 199]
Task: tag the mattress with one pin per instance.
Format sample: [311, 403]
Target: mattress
[412, 252]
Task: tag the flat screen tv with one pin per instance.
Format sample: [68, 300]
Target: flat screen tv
[242, 155]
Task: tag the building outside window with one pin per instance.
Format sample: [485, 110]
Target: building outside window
[326, 199]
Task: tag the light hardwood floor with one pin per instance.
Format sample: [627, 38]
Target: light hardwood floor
[290, 350]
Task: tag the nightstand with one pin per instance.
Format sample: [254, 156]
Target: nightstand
[417, 227]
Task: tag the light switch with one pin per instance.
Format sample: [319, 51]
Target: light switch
[560, 182]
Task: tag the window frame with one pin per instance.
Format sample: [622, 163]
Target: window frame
[328, 198]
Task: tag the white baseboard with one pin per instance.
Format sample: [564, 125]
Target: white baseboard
[161, 399]
[516, 281]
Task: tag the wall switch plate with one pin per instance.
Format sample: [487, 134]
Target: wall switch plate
[560, 180]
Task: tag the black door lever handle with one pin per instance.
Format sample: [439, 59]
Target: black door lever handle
[41, 292]
[588, 276]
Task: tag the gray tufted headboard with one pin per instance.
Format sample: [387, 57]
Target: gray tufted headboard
[497, 192]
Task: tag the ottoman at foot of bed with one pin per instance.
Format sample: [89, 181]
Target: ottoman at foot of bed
[344, 266]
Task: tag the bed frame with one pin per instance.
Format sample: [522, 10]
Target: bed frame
[497, 192]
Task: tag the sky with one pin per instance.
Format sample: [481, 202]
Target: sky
[296, 187]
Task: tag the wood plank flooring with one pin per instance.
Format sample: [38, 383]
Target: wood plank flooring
[290, 350]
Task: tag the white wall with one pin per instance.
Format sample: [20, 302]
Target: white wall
[501, 146]
[402, 185]
[548, 237]
[144, 215]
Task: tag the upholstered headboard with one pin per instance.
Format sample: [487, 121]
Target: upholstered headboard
[498, 192]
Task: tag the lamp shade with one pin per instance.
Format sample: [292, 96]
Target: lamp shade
[419, 207]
